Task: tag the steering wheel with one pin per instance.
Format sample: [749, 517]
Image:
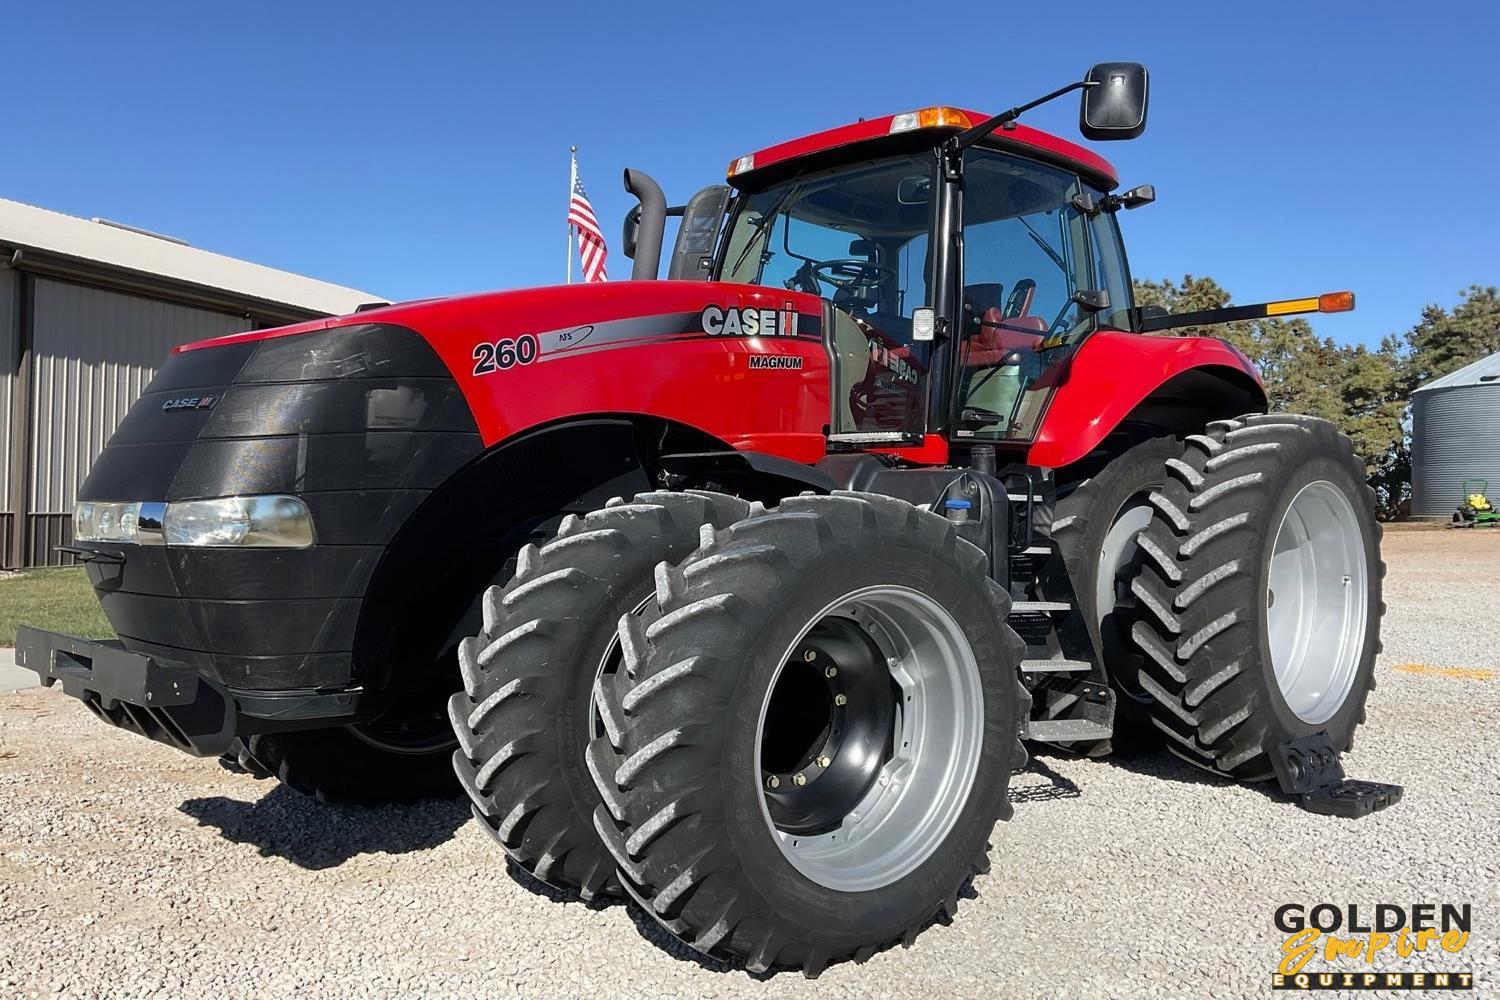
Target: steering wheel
[849, 274]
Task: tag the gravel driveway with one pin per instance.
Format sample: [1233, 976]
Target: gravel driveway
[129, 870]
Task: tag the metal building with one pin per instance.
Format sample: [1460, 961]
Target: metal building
[88, 309]
[1455, 436]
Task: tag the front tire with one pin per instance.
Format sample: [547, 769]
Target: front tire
[525, 716]
[362, 766]
[1260, 600]
[839, 667]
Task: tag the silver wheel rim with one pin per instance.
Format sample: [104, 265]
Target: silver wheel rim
[921, 789]
[1317, 600]
[1117, 551]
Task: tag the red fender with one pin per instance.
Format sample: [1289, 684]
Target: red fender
[1110, 376]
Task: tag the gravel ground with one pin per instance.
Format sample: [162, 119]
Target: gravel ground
[129, 870]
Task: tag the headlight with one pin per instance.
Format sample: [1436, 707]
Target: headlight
[248, 521]
[273, 521]
[106, 522]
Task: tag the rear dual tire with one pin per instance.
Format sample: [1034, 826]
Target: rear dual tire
[685, 765]
[1260, 598]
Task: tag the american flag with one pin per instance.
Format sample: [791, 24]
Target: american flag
[591, 249]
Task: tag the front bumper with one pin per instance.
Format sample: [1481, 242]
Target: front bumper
[170, 703]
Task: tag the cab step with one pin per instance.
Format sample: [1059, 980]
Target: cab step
[1037, 550]
[1055, 666]
[1064, 730]
[1039, 607]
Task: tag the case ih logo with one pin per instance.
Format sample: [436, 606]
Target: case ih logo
[189, 403]
[739, 321]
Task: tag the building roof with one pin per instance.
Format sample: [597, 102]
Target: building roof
[27, 227]
[1485, 371]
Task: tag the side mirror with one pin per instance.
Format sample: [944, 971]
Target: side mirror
[632, 232]
[1141, 194]
[1114, 102]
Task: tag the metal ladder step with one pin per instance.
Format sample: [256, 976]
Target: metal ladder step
[1048, 666]
[1038, 607]
[1037, 550]
[1063, 730]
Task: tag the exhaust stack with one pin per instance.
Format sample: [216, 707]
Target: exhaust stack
[645, 225]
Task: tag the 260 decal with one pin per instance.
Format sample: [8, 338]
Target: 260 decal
[505, 354]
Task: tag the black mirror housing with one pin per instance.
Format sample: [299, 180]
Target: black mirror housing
[631, 232]
[1114, 102]
[1141, 194]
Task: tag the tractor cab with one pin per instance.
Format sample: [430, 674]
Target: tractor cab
[931, 334]
[962, 259]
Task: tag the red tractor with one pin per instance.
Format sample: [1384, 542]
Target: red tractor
[911, 483]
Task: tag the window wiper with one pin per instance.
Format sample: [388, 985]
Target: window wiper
[763, 224]
[1057, 259]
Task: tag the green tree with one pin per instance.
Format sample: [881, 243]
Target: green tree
[1444, 341]
[1360, 390]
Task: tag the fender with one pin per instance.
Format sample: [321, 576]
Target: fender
[1113, 373]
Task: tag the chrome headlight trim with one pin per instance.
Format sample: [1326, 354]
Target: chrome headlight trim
[274, 521]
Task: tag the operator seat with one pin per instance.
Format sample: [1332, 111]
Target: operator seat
[1001, 331]
[993, 352]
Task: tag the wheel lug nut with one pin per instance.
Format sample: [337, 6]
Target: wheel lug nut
[824, 760]
[841, 699]
[830, 672]
[809, 655]
[773, 782]
[799, 779]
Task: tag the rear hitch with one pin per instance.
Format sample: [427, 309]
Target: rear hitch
[1309, 768]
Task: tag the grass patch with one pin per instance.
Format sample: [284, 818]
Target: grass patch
[58, 600]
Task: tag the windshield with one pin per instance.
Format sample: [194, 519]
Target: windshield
[857, 237]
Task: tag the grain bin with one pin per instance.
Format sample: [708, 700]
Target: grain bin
[1455, 436]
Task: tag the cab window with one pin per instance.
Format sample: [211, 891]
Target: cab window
[1110, 271]
[1026, 254]
[857, 237]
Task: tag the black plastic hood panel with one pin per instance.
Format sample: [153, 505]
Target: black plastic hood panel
[362, 422]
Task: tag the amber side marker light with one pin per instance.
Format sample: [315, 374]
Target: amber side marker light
[1336, 302]
[1328, 302]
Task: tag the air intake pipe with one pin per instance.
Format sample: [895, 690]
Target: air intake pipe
[645, 225]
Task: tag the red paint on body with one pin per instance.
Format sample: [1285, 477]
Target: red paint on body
[1109, 376]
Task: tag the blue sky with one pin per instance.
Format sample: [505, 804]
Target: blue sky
[422, 149]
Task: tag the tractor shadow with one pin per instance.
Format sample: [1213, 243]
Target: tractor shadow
[1050, 788]
[315, 835]
[1162, 765]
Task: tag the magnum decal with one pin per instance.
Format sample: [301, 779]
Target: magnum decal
[792, 362]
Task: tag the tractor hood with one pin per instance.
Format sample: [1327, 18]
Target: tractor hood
[694, 352]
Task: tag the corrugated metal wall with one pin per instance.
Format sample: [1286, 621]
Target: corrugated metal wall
[1455, 436]
[94, 352]
[7, 390]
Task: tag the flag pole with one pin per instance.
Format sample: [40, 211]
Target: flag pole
[572, 181]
